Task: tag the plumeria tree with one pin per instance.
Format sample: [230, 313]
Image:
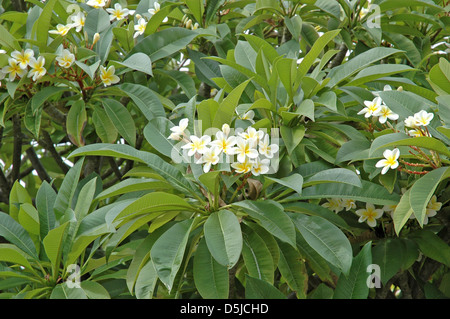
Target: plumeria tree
[224, 149]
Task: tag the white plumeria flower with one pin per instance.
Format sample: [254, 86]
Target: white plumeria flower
[23, 58]
[369, 215]
[155, 9]
[260, 166]
[423, 118]
[178, 130]
[140, 27]
[197, 145]
[2, 75]
[410, 121]
[37, 68]
[107, 75]
[119, 13]
[415, 133]
[2, 51]
[390, 160]
[348, 204]
[61, 29]
[224, 144]
[384, 113]
[96, 3]
[266, 149]
[13, 69]
[195, 26]
[78, 20]
[433, 207]
[371, 107]
[242, 168]
[245, 148]
[210, 157]
[252, 133]
[248, 116]
[66, 59]
[334, 204]
[226, 129]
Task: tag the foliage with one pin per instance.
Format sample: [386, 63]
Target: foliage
[326, 149]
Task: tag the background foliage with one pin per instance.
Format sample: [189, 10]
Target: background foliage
[88, 185]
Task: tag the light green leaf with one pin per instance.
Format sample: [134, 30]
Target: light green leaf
[122, 119]
[14, 233]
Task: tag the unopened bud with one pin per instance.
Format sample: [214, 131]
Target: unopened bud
[138, 16]
[96, 38]
[188, 23]
[400, 89]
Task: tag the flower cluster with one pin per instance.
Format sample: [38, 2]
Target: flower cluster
[23, 63]
[418, 123]
[370, 214]
[141, 25]
[252, 148]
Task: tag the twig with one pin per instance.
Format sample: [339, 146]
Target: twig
[17, 150]
[37, 165]
[48, 145]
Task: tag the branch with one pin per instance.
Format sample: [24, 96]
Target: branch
[339, 57]
[47, 143]
[17, 151]
[37, 165]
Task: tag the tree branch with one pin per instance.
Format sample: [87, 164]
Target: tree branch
[47, 143]
[37, 165]
[339, 57]
[17, 150]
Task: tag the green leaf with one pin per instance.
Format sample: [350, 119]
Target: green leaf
[53, 243]
[315, 51]
[29, 218]
[145, 99]
[104, 128]
[369, 193]
[94, 290]
[354, 286]
[167, 252]
[122, 119]
[146, 281]
[75, 122]
[293, 269]
[292, 136]
[164, 43]
[257, 258]
[223, 237]
[432, 246]
[17, 196]
[210, 277]
[402, 212]
[259, 289]
[67, 190]
[14, 233]
[389, 255]
[154, 202]
[10, 253]
[63, 291]
[326, 239]
[361, 61]
[271, 216]
[226, 110]
[97, 21]
[45, 201]
[42, 24]
[334, 175]
[137, 61]
[156, 132]
[133, 185]
[294, 182]
[169, 172]
[423, 189]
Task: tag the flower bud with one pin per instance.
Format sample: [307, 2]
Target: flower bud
[96, 38]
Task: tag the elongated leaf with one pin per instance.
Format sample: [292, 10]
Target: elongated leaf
[271, 216]
[423, 189]
[334, 175]
[167, 252]
[53, 243]
[432, 246]
[389, 254]
[256, 255]
[10, 253]
[138, 61]
[122, 119]
[145, 99]
[104, 128]
[223, 237]
[45, 201]
[354, 286]
[164, 169]
[146, 281]
[259, 289]
[133, 185]
[293, 269]
[402, 212]
[164, 43]
[67, 190]
[210, 277]
[13, 232]
[156, 132]
[358, 63]
[326, 239]
[29, 218]
[369, 192]
[75, 122]
[294, 181]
